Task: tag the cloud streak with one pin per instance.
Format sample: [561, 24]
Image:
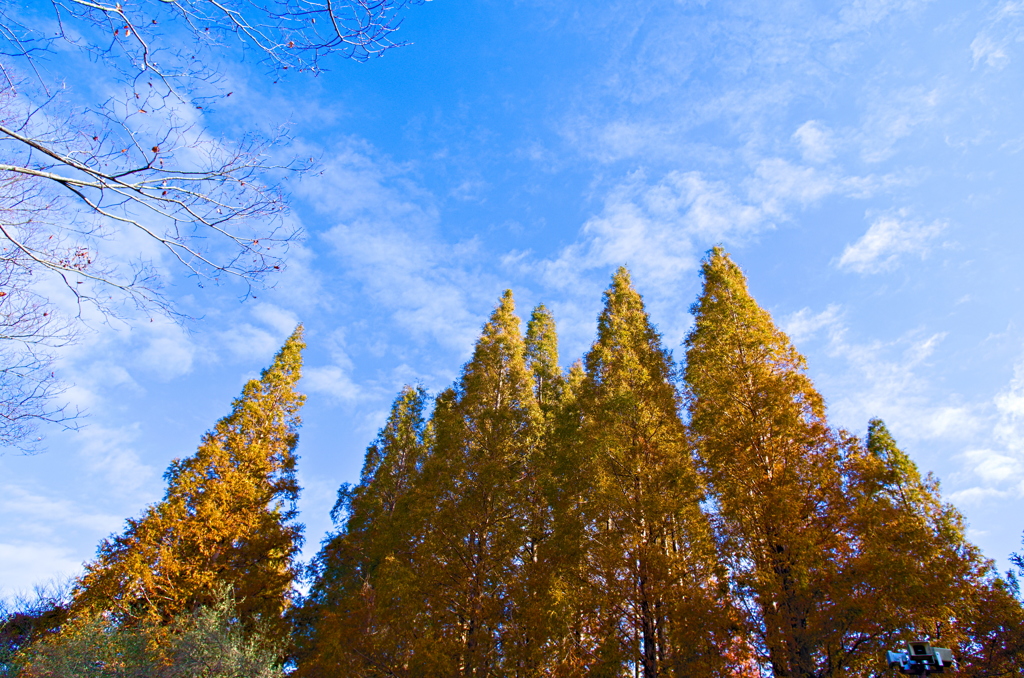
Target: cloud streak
[998, 469]
[890, 238]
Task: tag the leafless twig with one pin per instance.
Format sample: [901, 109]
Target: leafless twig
[106, 199]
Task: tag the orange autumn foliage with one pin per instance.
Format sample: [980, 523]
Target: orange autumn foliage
[227, 519]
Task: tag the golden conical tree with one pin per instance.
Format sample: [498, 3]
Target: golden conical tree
[839, 547]
[530, 646]
[364, 611]
[650, 557]
[227, 519]
[568, 646]
[774, 468]
[479, 475]
[542, 357]
[916, 576]
[914, 565]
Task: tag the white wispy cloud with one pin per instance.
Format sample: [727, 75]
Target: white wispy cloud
[805, 323]
[994, 43]
[889, 238]
[33, 539]
[24, 565]
[992, 53]
[385, 235]
[283, 321]
[862, 14]
[656, 228]
[685, 81]
[776, 184]
[112, 454]
[335, 379]
[998, 470]
[995, 467]
[331, 380]
[659, 229]
[49, 515]
[815, 141]
[893, 113]
[884, 379]
[168, 350]
[262, 337]
[300, 285]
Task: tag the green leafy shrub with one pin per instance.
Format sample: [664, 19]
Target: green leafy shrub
[208, 643]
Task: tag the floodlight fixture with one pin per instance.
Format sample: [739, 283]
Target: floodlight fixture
[921, 659]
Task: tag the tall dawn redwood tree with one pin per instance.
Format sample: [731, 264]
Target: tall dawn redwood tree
[839, 548]
[542, 357]
[530, 636]
[364, 613]
[774, 468]
[227, 519]
[651, 565]
[479, 478]
[916, 574]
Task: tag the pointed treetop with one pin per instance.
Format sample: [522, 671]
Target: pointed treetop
[499, 363]
[542, 341]
[542, 354]
[503, 320]
[899, 472]
[273, 391]
[723, 281]
[621, 295]
[625, 335]
[404, 430]
[501, 331]
[289, 356]
[390, 467]
[880, 441]
[729, 322]
[226, 519]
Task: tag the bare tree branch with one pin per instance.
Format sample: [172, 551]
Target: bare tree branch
[29, 333]
[106, 199]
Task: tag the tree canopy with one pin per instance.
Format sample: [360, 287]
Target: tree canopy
[634, 518]
[627, 517]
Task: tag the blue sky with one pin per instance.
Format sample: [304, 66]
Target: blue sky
[862, 161]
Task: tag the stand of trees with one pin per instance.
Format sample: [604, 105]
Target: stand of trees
[630, 517]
